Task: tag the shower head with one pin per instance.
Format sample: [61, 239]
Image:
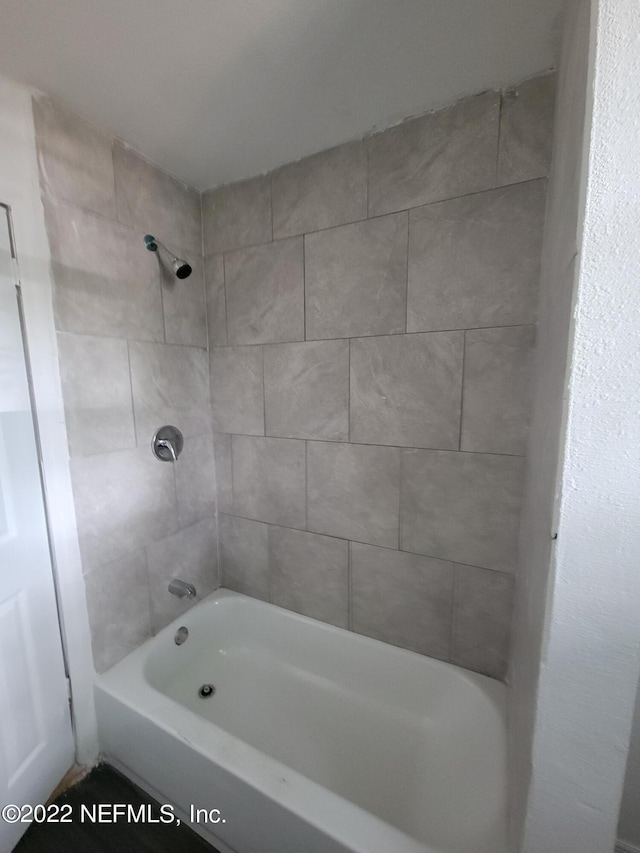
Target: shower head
[181, 269]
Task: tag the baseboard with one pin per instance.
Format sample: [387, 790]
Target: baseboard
[625, 847]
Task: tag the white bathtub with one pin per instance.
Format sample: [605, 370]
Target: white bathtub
[317, 740]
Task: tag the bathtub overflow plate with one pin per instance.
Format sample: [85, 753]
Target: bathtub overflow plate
[181, 635]
[206, 690]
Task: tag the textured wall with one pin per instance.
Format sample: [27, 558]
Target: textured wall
[371, 323]
[132, 346]
[591, 637]
[557, 286]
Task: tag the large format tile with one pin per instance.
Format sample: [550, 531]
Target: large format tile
[326, 189]
[463, 507]
[75, 159]
[406, 390]
[170, 386]
[237, 395]
[310, 574]
[244, 556]
[265, 293]
[123, 500]
[355, 279]
[526, 131]
[441, 155]
[97, 393]
[353, 491]
[482, 620]
[307, 390]
[497, 389]
[190, 554]
[475, 261]
[216, 300]
[154, 202]
[269, 479]
[224, 484]
[237, 215]
[196, 480]
[105, 282]
[402, 599]
[118, 605]
[183, 302]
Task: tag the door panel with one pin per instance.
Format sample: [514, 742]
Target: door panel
[36, 741]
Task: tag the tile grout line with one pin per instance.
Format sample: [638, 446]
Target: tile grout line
[148, 576]
[264, 397]
[349, 395]
[349, 588]
[269, 564]
[304, 287]
[224, 285]
[233, 500]
[392, 212]
[348, 337]
[133, 408]
[271, 202]
[454, 613]
[366, 148]
[371, 545]
[400, 503]
[204, 280]
[400, 447]
[115, 182]
[406, 284]
[146, 341]
[133, 230]
[306, 485]
[464, 355]
[500, 105]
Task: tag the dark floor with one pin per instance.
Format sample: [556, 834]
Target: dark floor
[106, 785]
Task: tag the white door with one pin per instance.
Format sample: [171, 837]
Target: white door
[36, 740]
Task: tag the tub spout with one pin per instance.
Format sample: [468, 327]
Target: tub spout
[182, 588]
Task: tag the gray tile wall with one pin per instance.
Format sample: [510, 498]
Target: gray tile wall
[133, 356]
[371, 317]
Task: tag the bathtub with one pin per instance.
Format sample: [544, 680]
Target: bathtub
[314, 740]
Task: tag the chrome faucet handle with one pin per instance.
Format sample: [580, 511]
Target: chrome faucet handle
[168, 445]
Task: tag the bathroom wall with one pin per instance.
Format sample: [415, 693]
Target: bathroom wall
[132, 344]
[371, 316]
[555, 317]
[586, 616]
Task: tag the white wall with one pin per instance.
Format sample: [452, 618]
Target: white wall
[20, 189]
[563, 227]
[591, 630]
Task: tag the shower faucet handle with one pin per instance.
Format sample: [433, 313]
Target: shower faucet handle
[167, 444]
[164, 442]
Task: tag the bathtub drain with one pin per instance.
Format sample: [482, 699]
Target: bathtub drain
[180, 636]
[206, 690]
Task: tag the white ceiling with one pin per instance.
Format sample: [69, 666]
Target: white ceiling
[216, 90]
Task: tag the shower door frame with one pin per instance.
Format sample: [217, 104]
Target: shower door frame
[20, 191]
[5, 212]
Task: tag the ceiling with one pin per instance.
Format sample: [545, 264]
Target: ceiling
[217, 90]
